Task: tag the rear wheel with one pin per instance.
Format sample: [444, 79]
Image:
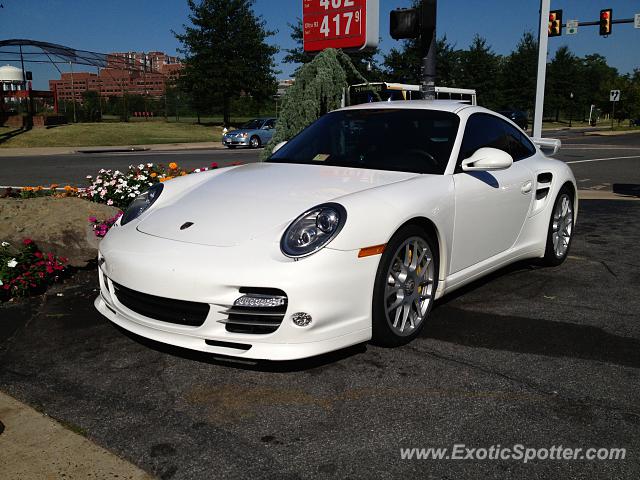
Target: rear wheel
[560, 230]
[255, 142]
[405, 287]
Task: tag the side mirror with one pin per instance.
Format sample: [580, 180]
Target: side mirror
[278, 147]
[487, 159]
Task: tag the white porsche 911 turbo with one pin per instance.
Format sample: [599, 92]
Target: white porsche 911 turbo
[347, 233]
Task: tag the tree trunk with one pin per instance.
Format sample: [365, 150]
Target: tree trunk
[198, 114]
[226, 111]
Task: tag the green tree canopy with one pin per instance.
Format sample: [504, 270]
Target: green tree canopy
[226, 53]
[480, 69]
[519, 73]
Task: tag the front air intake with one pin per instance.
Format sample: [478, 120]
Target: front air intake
[258, 311]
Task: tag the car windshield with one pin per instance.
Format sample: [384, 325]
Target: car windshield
[407, 140]
[252, 124]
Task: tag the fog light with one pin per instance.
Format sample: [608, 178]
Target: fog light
[260, 301]
[301, 319]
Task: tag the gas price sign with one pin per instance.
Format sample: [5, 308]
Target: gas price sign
[348, 24]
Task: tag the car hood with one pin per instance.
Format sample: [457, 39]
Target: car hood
[240, 130]
[241, 203]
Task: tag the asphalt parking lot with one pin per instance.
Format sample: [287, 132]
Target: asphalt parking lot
[532, 356]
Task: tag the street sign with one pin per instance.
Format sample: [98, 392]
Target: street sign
[636, 20]
[614, 96]
[348, 24]
[572, 27]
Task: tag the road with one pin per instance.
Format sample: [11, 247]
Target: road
[534, 356]
[599, 162]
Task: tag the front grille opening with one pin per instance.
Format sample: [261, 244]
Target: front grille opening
[236, 346]
[180, 312]
[258, 311]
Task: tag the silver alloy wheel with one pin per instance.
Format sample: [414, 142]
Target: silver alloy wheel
[409, 289]
[255, 142]
[562, 226]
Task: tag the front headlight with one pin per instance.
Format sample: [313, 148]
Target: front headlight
[312, 230]
[141, 203]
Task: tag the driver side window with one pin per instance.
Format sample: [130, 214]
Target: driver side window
[482, 130]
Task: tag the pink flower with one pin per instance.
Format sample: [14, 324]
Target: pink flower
[214, 165]
[93, 219]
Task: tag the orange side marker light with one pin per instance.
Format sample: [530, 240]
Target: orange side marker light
[368, 251]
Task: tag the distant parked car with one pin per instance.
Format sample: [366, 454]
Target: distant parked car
[253, 134]
[516, 116]
[635, 123]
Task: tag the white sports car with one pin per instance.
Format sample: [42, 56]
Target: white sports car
[347, 233]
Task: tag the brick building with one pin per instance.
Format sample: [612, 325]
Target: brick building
[133, 73]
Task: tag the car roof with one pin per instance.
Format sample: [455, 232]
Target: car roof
[453, 106]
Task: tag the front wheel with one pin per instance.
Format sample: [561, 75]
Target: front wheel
[405, 287]
[255, 142]
[560, 230]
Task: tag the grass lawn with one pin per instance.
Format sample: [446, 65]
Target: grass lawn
[96, 134]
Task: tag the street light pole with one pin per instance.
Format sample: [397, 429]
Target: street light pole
[543, 37]
[428, 10]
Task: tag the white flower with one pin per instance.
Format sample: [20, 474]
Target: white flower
[1, 283]
[12, 263]
[149, 165]
[5, 244]
[109, 202]
[141, 166]
[132, 195]
[89, 177]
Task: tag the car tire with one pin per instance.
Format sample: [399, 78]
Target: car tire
[255, 142]
[401, 282]
[560, 231]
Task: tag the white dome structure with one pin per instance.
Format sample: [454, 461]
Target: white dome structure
[10, 74]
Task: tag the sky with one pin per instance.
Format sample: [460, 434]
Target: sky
[146, 25]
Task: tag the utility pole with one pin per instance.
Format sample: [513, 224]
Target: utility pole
[428, 47]
[543, 37]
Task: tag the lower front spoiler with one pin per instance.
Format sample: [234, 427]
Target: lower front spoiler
[257, 350]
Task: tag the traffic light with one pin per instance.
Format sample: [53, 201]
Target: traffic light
[606, 17]
[404, 23]
[413, 22]
[555, 23]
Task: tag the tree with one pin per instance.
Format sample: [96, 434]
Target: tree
[479, 69]
[364, 62]
[318, 89]
[405, 65]
[226, 53]
[519, 74]
[561, 82]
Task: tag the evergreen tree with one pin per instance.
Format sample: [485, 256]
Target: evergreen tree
[480, 69]
[226, 53]
[561, 82]
[404, 65]
[364, 62]
[519, 73]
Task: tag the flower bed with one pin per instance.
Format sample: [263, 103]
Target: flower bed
[53, 190]
[120, 188]
[25, 270]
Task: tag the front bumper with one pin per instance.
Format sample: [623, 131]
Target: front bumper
[238, 141]
[334, 287]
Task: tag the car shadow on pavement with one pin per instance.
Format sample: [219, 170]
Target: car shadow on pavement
[248, 364]
[627, 189]
[531, 336]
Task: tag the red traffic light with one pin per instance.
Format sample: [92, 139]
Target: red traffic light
[604, 14]
[606, 17]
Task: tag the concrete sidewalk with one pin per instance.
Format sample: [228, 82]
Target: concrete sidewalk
[16, 152]
[34, 446]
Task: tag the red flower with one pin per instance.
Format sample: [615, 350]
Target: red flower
[38, 254]
[49, 269]
[214, 165]
[27, 241]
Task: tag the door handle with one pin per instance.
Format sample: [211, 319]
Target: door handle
[526, 187]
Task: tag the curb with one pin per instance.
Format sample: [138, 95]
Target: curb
[33, 445]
